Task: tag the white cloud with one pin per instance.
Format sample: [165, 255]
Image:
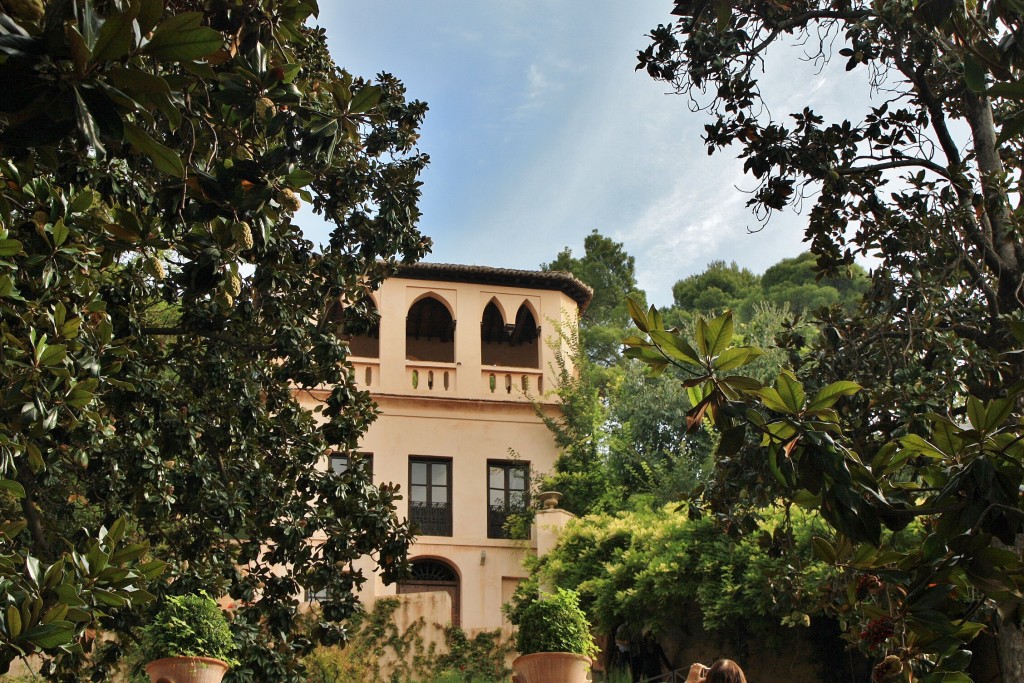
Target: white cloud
[540, 131]
[538, 90]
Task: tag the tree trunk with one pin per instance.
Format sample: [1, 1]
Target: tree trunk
[1010, 640]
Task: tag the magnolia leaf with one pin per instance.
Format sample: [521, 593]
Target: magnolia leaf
[828, 395]
[119, 232]
[807, 500]
[13, 487]
[791, 392]
[115, 37]
[365, 100]
[773, 400]
[742, 383]
[13, 621]
[637, 313]
[823, 550]
[654, 319]
[718, 334]
[674, 346]
[974, 74]
[183, 43]
[976, 413]
[87, 124]
[163, 157]
[733, 358]
[179, 22]
[723, 13]
[56, 613]
[115, 534]
[109, 598]
[137, 81]
[299, 178]
[80, 52]
[52, 354]
[60, 232]
[732, 440]
[997, 412]
[10, 247]
[1011, 128]
[48, 636]
[150, 12]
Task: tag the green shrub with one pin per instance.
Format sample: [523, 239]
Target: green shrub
[188, 626]
[553, 623]
[335, 664]
[477, 660]
[460, 677]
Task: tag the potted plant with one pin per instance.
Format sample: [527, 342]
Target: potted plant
[189, 641]
[553, 640]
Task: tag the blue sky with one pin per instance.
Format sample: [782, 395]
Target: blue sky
[540, 131]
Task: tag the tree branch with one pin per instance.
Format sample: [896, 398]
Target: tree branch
[896, 163]
[216, 336]
[962, 187]
[990, 165]
[34, 519]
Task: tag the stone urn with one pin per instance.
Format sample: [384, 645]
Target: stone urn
[549, 500]
[186, 670]
[551, 667]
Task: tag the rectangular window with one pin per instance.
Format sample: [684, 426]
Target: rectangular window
[340, 462]
[430, 500]
[508, 485]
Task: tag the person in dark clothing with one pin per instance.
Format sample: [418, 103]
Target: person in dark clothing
[652, 657]
[620, 658]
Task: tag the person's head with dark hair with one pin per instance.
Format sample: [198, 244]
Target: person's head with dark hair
[725, 671]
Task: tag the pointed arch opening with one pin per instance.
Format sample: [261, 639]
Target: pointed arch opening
[430, 331]
[512, 344]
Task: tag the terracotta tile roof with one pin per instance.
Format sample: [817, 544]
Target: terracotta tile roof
[534, 279]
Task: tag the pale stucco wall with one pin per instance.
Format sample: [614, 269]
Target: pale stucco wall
[467, 376]
[461, 418]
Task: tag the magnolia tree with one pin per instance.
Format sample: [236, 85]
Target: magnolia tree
[916, 609]
[923, 173]
[163, 315]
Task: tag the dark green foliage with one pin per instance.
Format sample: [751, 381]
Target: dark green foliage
[188, 626]
[480, 658]
[552, 622]
[652, 567]
[578, 430]
[627, 444]
[720, 287]
[162, 314]
[374, 639]
[611, 273]
[47, 606]
[793, 283]
[927, 182]
[968, 477]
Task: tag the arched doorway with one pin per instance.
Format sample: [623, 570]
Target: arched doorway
[430, 575]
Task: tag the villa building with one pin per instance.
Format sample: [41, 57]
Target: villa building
[452, 365]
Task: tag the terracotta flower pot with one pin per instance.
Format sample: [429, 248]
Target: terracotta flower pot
[551, 667]
[186, 670]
